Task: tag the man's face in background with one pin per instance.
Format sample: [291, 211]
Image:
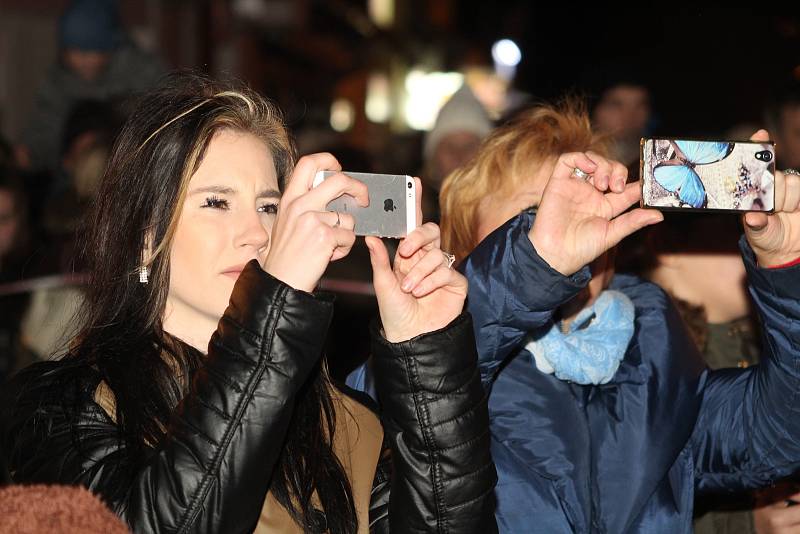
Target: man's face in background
[86, 64]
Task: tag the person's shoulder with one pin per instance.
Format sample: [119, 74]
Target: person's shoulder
[45, 396]
[360, 398]
[357, 415]
[138, 64]
[44, 385]
[57, 84]
[129, 52]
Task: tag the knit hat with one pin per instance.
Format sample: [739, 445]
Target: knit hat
[90, 25]
[462, 113]
[42, 509]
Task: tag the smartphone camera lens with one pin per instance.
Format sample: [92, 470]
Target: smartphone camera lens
[408, 185]
[764, 155]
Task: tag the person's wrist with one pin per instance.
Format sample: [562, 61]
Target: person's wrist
[775, 259]
[401, 335]
[397, 335]
[550, 255]
[394, 337]
[290, 279]
[777, 263]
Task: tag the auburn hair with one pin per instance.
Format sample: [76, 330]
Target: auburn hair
[508, 157]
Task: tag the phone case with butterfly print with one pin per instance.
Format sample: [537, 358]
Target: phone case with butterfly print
[690, 174]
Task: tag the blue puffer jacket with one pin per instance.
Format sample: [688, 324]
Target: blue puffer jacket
[630, 455]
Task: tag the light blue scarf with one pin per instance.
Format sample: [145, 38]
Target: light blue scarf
[590, 353]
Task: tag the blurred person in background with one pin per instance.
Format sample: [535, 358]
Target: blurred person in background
[15, 264]
[47, 322]
[96, 61]
[14, 225]
[705, 277]
[89, 134]
[783, 119]
[622, 110]
[461, 125]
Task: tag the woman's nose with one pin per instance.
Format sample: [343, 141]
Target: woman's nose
[253, 233]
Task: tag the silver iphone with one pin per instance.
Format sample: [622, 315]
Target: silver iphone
[392, 210]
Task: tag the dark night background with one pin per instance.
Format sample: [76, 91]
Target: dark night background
[708, 68]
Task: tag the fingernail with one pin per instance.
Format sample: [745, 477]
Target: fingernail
[408, 284]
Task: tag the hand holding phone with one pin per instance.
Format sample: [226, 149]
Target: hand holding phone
[678, 174]
[419, 292]
[305, 236]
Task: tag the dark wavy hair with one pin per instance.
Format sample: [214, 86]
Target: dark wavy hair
[122, 336]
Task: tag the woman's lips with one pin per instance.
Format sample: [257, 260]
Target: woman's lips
[233, 272]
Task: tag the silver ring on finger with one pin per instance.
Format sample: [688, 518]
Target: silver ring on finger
[577, 173]
[791, 171]
[338, 220]
[449, 259]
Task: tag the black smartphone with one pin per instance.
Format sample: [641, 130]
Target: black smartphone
[680, 174]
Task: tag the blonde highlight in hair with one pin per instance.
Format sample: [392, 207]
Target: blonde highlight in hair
[178, 117]
[511, 155]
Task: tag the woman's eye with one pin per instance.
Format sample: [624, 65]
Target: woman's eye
[215, 202]
[270, 209]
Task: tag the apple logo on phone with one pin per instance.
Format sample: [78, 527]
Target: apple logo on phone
[388, 205]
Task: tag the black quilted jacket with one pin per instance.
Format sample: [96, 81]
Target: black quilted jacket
[212, 474]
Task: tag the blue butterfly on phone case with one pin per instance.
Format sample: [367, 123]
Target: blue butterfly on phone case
[678, 176]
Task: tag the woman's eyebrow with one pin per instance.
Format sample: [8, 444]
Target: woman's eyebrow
[221, 189]
[226, 190]
[269, 193]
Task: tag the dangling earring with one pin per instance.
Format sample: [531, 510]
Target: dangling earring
[144, 269]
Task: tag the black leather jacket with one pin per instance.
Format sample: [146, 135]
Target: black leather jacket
[213, 474]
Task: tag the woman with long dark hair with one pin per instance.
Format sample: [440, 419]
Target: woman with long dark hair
[204, 228]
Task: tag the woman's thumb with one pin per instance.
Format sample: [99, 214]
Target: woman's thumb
[379, 258]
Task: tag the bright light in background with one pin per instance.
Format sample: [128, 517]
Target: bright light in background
[378, 106]
[506, 52]
[381, 12]
[342, 115]
[426, 93]
[506, 55]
